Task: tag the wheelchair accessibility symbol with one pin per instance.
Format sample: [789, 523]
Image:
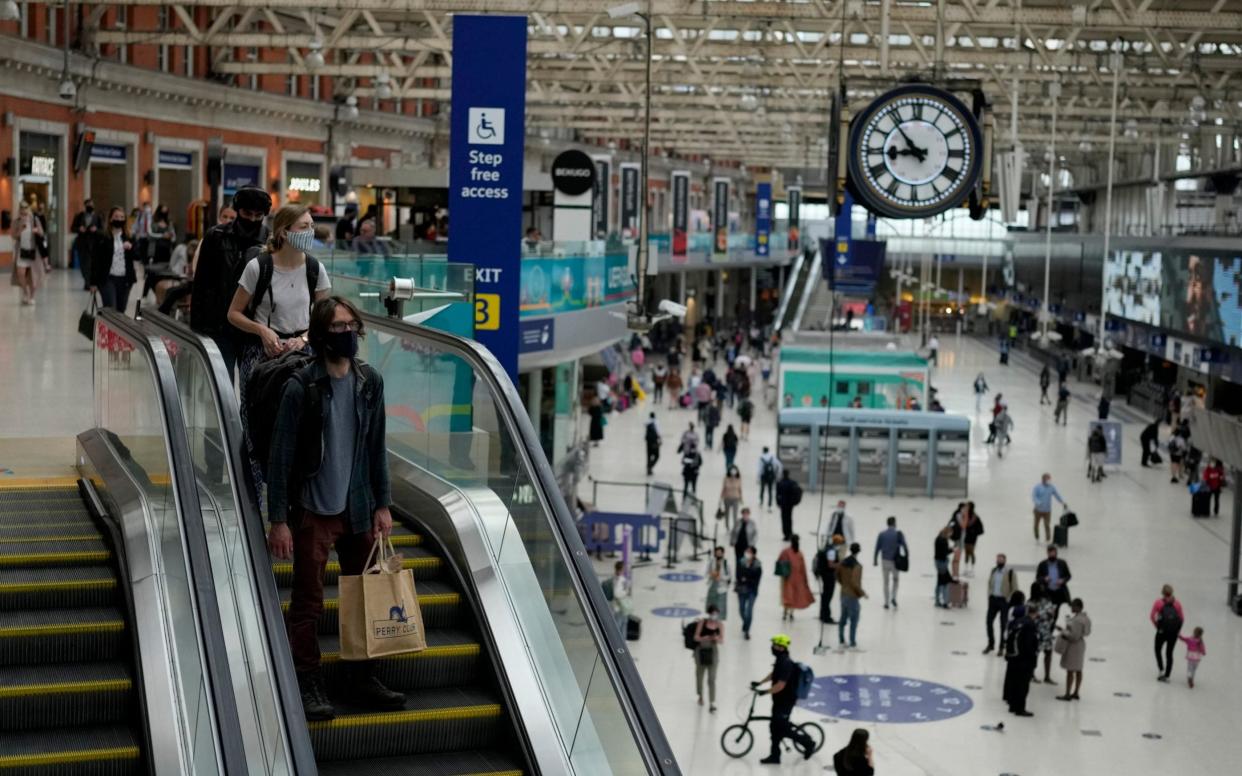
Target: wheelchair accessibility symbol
[487, 126]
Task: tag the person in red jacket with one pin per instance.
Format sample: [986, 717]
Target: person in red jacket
[1214, 479]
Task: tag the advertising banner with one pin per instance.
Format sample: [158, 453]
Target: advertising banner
[568, 283]
[630, 178]
[537, 334]
[795, 218]
[601, 202]
[681, 215]
[487, 140]
[720, 217]
[763, 219]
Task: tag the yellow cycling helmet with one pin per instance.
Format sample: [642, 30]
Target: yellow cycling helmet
[781, 640]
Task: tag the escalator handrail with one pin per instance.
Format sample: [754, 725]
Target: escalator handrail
[185, 490]
[296, 732]
[808, 289]
[790, 285]
[613, 650]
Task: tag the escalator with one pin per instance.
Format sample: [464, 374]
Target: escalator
[791, 291]
[525, 672]
[69, 689]
[811, 285]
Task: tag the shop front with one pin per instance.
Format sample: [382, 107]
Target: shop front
[240, 172]
[304, 180]
[110, 176]
[40, 184]
[177, 182]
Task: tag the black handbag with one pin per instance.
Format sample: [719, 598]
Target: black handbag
[86, 321]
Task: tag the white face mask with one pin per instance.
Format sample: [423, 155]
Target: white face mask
[301, 240]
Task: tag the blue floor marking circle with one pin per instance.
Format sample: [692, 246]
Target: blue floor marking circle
[884, 698]
[681, 576]
[679, 612]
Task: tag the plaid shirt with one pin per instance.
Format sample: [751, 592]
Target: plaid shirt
[368, 486]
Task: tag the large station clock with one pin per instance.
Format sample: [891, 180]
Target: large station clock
[915, 152]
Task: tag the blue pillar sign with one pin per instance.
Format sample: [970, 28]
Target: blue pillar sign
[485, 172]
[763, 219]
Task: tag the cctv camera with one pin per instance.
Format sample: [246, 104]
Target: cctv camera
[67, 90]
[672, 308]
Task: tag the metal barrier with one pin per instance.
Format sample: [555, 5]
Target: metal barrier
[663, 500]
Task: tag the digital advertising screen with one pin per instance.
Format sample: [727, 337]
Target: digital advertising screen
[1133, 283]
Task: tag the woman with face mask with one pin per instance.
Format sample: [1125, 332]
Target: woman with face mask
[112, 267]
[275, 293]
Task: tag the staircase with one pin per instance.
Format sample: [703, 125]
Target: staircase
[68, 696]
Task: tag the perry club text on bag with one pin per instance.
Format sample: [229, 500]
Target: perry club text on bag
[379, 610]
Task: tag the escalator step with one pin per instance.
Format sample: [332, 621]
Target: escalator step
[44, 512]
[34, 554]
[446, 764]
[452, 658]
[422, 563]
[69, 531]
[57, 588]
[108, 750]
[433, 721]
[62, 635]
[63, 695]
[442, 606]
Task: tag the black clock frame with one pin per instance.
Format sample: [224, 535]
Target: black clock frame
[863, 195]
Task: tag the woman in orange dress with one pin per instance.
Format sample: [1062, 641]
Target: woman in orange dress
[795, 590]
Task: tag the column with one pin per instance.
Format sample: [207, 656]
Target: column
[720, 290]
[754, 274]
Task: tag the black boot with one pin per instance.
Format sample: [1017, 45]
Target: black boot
[361, 688]
[315, 703]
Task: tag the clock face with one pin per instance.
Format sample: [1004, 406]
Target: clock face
[914, 153]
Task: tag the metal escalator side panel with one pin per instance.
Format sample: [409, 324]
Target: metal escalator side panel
[614, 674]
[788, 292]
[150, 423]
[260, 659]
[808, 290]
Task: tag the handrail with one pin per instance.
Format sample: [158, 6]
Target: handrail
[614, 652]
[791, 284]
[808, 289]
[185, 490]
[298, 736]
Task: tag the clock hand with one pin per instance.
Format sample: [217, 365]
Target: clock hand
[910, 143]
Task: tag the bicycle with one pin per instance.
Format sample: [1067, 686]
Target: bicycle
[737, 740]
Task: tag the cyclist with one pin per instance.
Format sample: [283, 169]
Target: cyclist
[784, 692]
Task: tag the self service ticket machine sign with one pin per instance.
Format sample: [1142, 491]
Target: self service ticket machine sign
[485, 172]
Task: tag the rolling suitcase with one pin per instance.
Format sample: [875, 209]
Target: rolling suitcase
[1201, 503]
[1060, 535]
[633, 628]
[959, 594]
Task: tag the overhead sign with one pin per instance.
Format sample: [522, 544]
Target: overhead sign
[536, 335]
[600, 203]
[43, 165]
[176, 159]
[854, 266]
[681, 215]
[573, 173]
[101, 152]
[720, 217]
[795, 218]
[630, 227]
[304, 184]
[763, 219]
[487, 138]
[238, 175]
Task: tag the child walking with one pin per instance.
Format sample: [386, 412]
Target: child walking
[1195, 651]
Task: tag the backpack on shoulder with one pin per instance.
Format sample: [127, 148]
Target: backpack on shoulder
[264, 392]
[687, 634]
[806, 681]
[1168, 620]
[263, 286]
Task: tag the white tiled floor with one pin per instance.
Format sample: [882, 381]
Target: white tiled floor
[1136, 534]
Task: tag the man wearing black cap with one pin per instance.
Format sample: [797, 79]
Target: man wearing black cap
[223, 254]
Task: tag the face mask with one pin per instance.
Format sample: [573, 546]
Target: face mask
[247, 227]
[301, 240]
[90, 208]
[118, 224]
[776, 652]
[341, 344]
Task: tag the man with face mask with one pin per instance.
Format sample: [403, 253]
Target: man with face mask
[87, 225]
[222, 255]
[328, 488]
[784, 691]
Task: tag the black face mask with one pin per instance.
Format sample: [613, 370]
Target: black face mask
[776, 652]
[247, 227]
[341, 344]
[118, 224]
[90, 208]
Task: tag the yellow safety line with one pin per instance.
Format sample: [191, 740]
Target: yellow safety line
[406, 540]
[61, 538]
[49, 483]
[407, 717]
[62, 629]
[434, 599]
[63, 584]
[453, 650]
[66, 758]
[495, 773]
[83, 524]
[30, 558]
[63, 688]
[334, 567]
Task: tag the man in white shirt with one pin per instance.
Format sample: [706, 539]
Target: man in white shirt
[840, 523]
[933, 350]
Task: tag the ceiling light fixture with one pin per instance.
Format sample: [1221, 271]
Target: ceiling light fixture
[383, 85]
[351, 107]
[9, 12]
[314, 58]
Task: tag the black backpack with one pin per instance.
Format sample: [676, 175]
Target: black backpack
[652, 435]
[687, 634]
[1169, 621]
[263, 286]
[264, 392]
[769, 470]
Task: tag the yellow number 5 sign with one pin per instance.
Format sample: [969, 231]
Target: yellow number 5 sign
[487, 312]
